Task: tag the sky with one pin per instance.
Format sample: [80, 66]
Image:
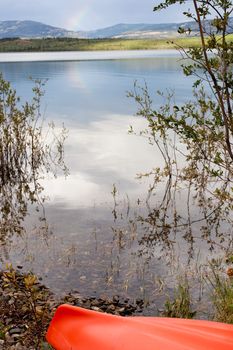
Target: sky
[88, 14]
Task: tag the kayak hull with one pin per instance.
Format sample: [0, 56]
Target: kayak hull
[80, 329]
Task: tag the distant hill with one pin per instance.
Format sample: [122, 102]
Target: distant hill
[142, 30]
[32, 29]
[124, 30]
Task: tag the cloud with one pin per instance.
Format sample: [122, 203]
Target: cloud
[88, 14]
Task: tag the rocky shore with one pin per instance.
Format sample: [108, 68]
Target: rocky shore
[26, 308]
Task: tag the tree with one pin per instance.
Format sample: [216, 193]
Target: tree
[201, 169]
[26, 155]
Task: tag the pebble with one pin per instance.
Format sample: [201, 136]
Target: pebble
[95, 308]
[15, 331]
[111, 308]
[82, 278]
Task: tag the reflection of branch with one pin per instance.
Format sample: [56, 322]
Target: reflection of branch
[207, 165]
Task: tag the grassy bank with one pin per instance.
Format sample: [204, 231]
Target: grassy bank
[70, 44]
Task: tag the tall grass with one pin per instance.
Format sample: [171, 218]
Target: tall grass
[221, 292]
[180, 306]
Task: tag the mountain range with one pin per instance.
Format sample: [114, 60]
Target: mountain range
[32, 29]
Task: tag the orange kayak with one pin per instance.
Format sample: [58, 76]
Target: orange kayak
[74, 328]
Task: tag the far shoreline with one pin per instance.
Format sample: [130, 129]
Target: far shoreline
[73, 49]
[8, 45]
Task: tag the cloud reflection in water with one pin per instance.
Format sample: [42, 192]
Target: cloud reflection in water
[99, 154]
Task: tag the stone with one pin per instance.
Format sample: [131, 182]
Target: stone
[8, 320]
[95, 303]
[15, 330]
[111, 308]
[11, 301]
[95, 308]
[121, 310]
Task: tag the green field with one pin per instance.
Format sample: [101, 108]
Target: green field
[70, 44]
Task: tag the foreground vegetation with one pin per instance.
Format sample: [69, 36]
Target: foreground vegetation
[71, 44]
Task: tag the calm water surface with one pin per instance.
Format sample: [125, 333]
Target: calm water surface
[87, 92]
[89, 97]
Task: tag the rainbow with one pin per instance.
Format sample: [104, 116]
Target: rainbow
[78, 17]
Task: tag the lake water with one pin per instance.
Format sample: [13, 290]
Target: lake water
[87, 92]
[89, 97]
